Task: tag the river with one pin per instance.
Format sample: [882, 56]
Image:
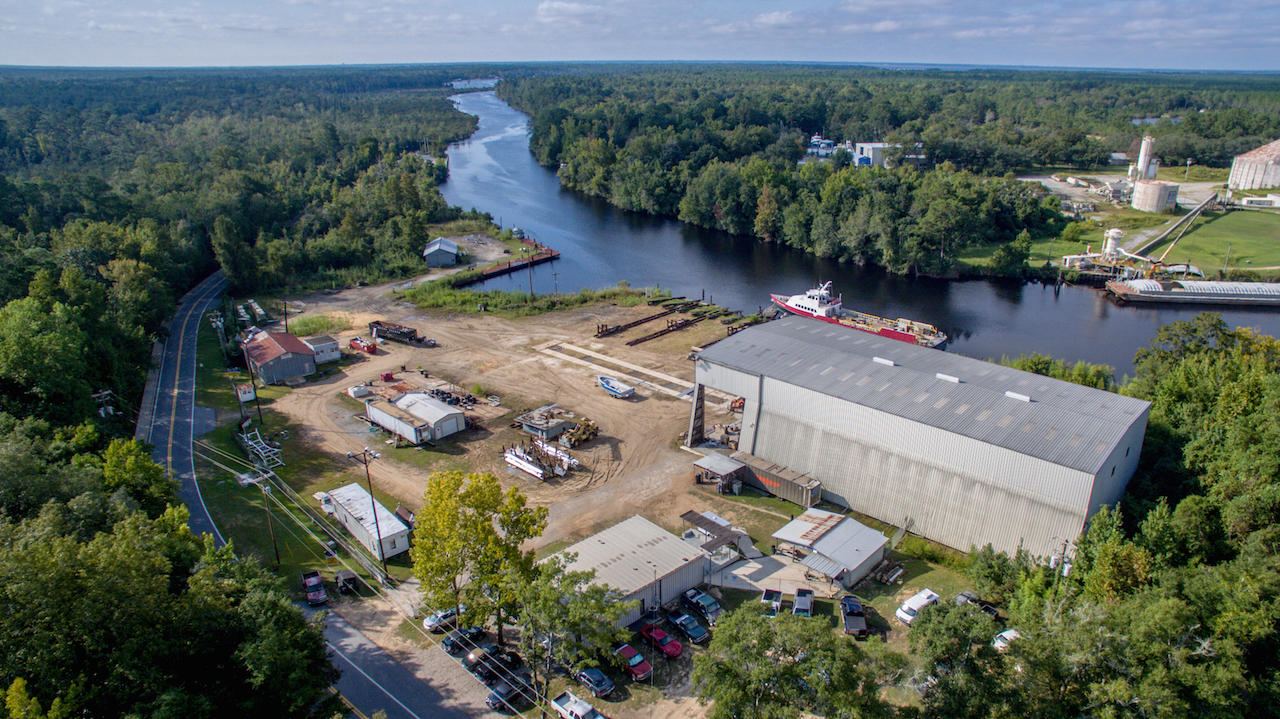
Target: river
[600, 245]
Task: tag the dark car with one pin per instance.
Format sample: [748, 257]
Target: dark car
[637, 666]
[596, 680]
[460, 640]
[662, 641]
[855, 618]
[509, 693]
[704, 604]
[969, 597]
[489, 664]
[690, 627]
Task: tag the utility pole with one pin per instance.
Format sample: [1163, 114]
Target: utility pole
[262, 483]
[529, 264]
[364, 457]
[253, 382]
[555, 277]
[215, 319]
[1225, 259]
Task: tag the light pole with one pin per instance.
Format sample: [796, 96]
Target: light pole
[528, 259]
[365, 456]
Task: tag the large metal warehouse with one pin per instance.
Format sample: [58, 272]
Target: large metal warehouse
[642, 561]
[961, 451]
[1256, 169]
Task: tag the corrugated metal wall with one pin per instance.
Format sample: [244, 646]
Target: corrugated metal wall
[737, 383]
[957, 491]
[391, 423]
[668, 588]
[286, 367]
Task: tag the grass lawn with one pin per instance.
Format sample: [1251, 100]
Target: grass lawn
[1254, 236]
[1198, 173]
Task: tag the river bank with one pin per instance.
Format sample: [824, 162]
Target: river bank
[493, 171]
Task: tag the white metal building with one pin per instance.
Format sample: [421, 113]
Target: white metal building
[961, 451]
[642, 561]
[1256, 169]
[416, 417]
[837, 547]
[325, 347]
[354, 508]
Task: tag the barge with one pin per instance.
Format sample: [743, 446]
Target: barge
[819, 304]
[1205, 292]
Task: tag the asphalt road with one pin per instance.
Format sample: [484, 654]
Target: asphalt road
[174, 411]
[371, 680]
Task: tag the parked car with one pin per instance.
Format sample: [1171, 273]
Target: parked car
[596, 680]
[704, 604]
[804, 602]
[855, 618]
[1004, 639]
[772, 599]
[690, 627]
[911, 608]
[637, 666]
[440, 620]
[462, 639]
[968, 597]
[660, 640]
[507, 696]
[569, 706]
[313, 587]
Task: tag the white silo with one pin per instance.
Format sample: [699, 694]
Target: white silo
[1144, 158]
[1112, 242]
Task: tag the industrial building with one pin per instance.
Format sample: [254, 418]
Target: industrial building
[441, 253]
[325, 348]
[354, 508]
[1257, 169]
[279, 357]
[416, 417]
[642, 561]
[958, 450]
[1155, 195]
[837, 547]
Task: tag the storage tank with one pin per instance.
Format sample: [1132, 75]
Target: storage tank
[1144, 157]
[1112, 242]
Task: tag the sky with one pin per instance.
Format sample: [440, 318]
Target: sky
[1173, 34]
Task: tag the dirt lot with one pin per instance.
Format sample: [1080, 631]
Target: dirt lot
[633, 465]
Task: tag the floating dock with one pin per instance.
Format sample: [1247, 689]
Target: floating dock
[1203, 292]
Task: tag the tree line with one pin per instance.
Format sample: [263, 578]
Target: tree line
[120, 190]
[718, 147]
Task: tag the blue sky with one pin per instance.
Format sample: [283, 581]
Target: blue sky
[1094, 33]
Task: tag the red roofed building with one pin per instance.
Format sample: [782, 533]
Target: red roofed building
[1256, 169]
[277, 357]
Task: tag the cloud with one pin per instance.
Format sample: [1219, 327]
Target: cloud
[777, 18]
[568, 13]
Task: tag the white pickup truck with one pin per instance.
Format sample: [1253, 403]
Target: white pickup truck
[570, 706]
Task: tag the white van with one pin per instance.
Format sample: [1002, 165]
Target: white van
[910, 608]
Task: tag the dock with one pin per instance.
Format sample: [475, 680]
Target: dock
[542, 254]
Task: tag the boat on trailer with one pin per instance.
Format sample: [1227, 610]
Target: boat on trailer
[615, 388]
[819, 304]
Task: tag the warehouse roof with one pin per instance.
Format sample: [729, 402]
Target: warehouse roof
[355, 500]
[1269, 152]
[441, 243]
[627, 555]
[270, 345]
[426, 407]
[1060, 422]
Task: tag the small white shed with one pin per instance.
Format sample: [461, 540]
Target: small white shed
[325, 347]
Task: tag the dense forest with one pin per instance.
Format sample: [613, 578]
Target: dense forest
[119, 190]
[719, 147]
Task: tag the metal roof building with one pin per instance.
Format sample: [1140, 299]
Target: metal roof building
[354, 508]
[839, 547]
[962, 451]
[441, 253]
[642, 561]
[1256, 169]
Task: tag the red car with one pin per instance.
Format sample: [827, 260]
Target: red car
[661, 640]
[637, 666]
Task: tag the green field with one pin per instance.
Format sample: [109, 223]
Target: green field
[1254, 237]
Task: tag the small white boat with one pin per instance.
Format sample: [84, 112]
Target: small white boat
[616, 388]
